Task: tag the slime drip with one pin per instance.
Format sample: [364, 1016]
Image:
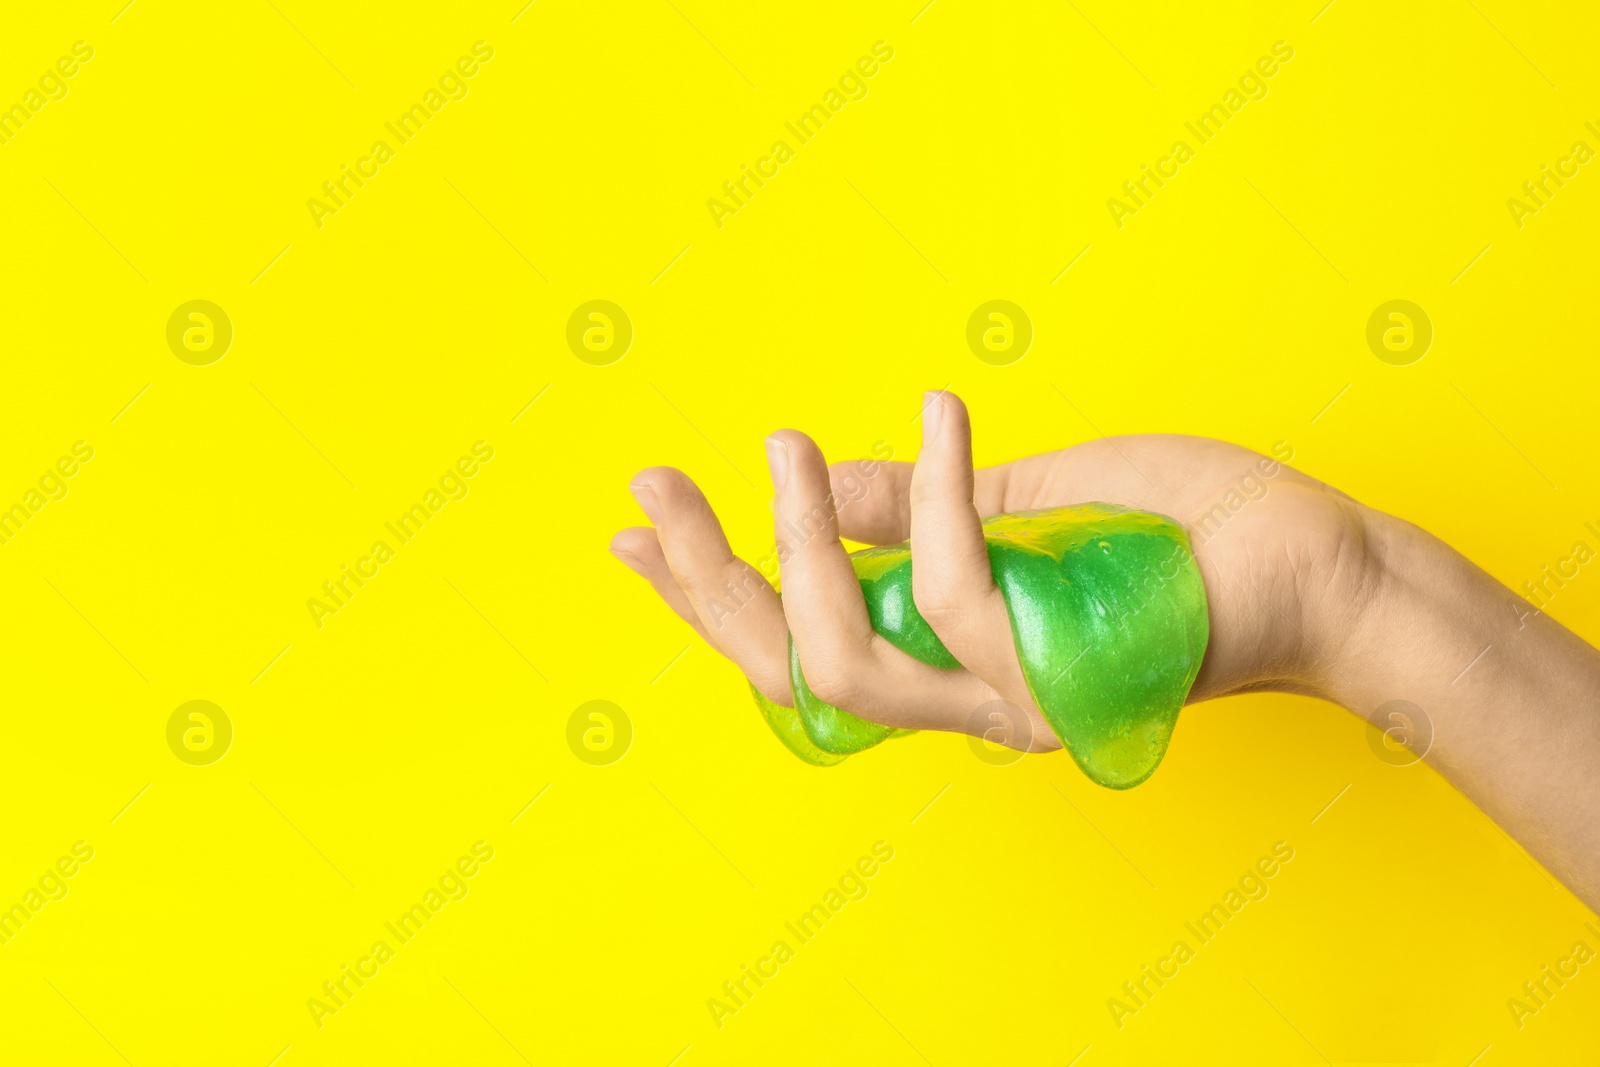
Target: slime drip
[1108, 613]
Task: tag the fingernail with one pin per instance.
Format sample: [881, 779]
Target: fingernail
[777, 462]
[932, 414]
[648, 503]
[629, 560]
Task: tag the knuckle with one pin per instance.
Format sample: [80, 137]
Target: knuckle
[938, 604]
[944, 617]
[925, 497]
[774, 685]
[742, 582]
[834, 682]
[693, 583]
[806, 521]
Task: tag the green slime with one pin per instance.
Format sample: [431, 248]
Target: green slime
[1108, 612]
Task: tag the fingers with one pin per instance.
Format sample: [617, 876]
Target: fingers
[874, 498]
[688, 561]
[736, 609]
[822, 599]
[846, 663]
[640, 551]
[951, 580]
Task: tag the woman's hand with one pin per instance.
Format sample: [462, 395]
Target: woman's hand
[1284, 557]
[1309, 592]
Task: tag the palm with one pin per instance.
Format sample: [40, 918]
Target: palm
[1266, 536]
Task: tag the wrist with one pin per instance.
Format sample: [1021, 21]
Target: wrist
[1500, 698]
[1428, 623]
[1373, 652]
[1292, 613]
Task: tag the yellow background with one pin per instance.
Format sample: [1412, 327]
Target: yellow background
[426, 714]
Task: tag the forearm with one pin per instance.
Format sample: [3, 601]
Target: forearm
[1511, 696]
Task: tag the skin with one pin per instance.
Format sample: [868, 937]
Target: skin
[1310, 592]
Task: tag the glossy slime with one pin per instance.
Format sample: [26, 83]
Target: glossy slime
[1108, 612]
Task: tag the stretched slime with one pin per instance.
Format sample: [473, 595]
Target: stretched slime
[1108, 613]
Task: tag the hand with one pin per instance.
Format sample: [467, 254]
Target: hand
[1308, 591]
[1285, 560]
